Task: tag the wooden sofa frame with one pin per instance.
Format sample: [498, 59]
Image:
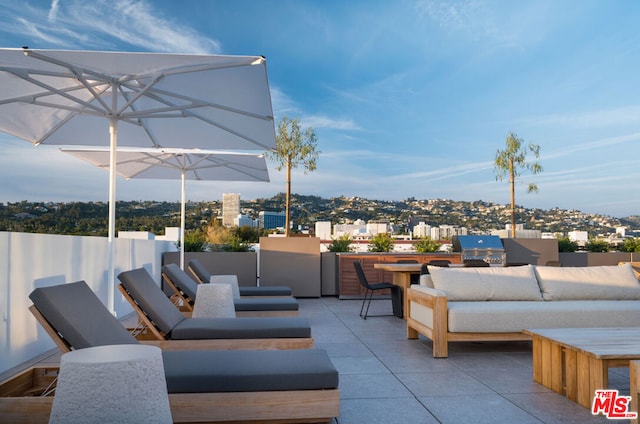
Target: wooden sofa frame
[439, 332]
[154, 333]
[186, 304]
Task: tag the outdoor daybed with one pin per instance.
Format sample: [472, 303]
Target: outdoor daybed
[496, 303]
[186, 289]
[203, 385]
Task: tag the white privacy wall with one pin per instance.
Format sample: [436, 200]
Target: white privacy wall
[28, 261]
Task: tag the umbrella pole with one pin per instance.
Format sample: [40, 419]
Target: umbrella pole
[113, 131]
[182, 213]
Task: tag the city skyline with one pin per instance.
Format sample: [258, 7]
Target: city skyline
[408, 99]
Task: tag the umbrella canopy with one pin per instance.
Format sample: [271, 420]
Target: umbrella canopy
[135, 99]
[183, 164]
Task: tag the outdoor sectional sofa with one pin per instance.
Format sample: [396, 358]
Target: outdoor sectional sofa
[497, 303]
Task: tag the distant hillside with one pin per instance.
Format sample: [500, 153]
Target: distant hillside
[90, 218]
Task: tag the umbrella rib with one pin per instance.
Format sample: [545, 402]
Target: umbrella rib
[199, 103]
[187, 111]
[139, 92]
[52, 90]
[78, 73]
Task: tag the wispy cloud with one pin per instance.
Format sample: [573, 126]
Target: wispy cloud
[481, 21]
[135, 23]
[585, 146]
[53, 10]
[627, 115]
[319, 121]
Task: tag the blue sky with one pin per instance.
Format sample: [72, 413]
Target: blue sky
[407, 98]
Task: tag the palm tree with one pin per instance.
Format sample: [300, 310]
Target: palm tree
[511, 161]
[293, 148]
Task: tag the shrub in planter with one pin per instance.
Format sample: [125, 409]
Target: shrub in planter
[341, 244]
[427, 245]
[597, 246]
[382, 242]
[565, 244]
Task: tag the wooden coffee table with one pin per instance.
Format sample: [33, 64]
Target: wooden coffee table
[575, 361]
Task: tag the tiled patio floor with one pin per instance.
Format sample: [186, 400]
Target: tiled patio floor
[385, 378]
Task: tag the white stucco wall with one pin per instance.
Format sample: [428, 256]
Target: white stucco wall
[28, 261]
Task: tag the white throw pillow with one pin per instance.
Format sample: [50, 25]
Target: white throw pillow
[615, 282]
[490, 283]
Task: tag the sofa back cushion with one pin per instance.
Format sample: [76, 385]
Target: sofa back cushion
[615, 282]
[491, 283]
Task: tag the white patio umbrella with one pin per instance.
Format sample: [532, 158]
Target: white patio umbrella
[135, 99]
[183, 164]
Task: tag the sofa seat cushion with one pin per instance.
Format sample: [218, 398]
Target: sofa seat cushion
[248, 370]
[616, 282]
[266, 304]
[490, 283]
[241, 328]
[510, 316]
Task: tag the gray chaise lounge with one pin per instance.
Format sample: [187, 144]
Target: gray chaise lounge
[165, 321]
[186, 288]
[204, 276]
[203, 385]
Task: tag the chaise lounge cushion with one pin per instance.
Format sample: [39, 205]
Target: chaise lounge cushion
[203, 274]
[241, 328]
[490, 283]
[246, 371]
[265, 291]
[616, 282]
[190, 287]
[77, 314]
[175, 326]
[151, 299]
[266, 304]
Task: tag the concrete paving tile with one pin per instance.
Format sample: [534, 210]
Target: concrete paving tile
[449, 383]
[371, 386]
[354, 349]
[483, 361]
[384, 411]
[553, 408]
[476, 409]
[355, 365]
[415, 363]
[514, 380]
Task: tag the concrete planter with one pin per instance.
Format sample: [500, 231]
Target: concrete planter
[242, 264]
[329, 273]
[293, 262]
[596, 259]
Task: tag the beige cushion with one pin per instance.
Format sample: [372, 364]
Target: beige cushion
[588, 283]
[635, 266]
[501, 317]
[491, 283]
[425, 280]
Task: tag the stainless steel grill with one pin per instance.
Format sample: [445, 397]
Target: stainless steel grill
[485, 248]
